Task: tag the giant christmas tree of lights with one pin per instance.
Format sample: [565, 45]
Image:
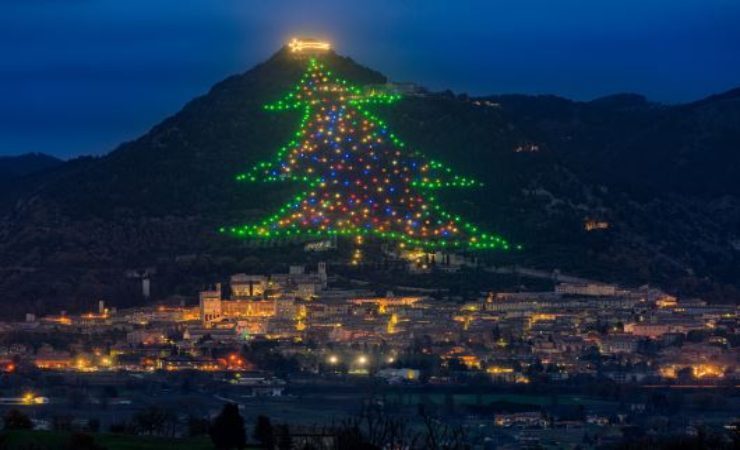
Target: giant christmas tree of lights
[361, 180]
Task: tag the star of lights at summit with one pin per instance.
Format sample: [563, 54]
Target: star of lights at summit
[361, 180]
[298, 45]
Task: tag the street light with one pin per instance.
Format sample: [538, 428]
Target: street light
[28, 398]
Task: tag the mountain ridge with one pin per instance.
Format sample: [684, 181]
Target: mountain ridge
[25, 164]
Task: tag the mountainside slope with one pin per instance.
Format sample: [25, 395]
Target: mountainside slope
[12, 167]
[547, 163]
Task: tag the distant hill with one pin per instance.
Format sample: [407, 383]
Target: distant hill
[662, 177]
[12, 167]
[688, 149]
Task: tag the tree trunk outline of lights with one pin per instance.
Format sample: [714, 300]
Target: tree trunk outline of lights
[361, 180]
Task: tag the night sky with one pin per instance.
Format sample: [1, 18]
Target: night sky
[80, 76]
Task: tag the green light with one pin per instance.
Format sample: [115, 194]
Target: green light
[360, 180]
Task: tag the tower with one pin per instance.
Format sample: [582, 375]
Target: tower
[210, 305]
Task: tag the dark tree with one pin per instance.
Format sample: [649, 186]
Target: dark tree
[449, 403]
[284, 439]
[685, 375]
[82, 441]
[16, 420]
[263, 432]
[61, 423]
[151, 420]
[118, 427]
[227, 430]
[110, 392]
[198, 426]
[456, 365]
[93, 425]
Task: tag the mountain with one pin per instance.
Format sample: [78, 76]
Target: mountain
[688, 149]
[12, 167]
[19, 173]
[661, 176]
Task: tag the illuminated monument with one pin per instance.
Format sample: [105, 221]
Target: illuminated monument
[308, 46]
[360, 179]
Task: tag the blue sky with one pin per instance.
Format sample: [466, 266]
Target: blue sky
[80, 76]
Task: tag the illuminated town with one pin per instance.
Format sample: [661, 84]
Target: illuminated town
[508, 335]
[319, 330]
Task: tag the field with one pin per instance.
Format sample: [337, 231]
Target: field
[472, 399]
[52, 440]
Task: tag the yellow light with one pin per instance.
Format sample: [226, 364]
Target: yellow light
[499, 370]
[362, 360]
[333, 359]
[668, 372]
[521, 379]
[707, 371]
[298, 45]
